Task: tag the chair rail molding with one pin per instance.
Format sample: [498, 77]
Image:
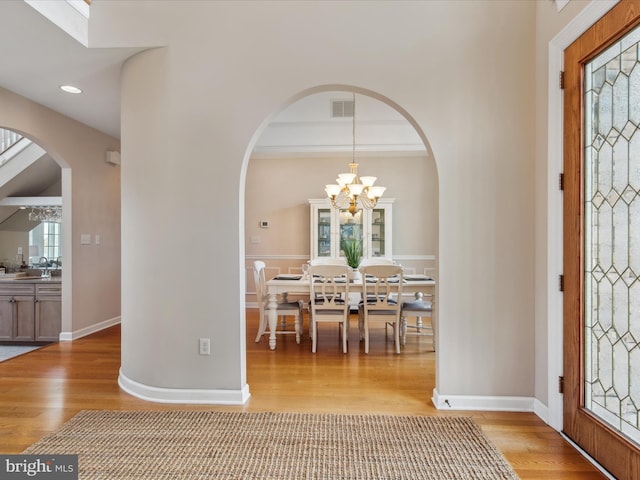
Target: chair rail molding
[277, 257]
[306, 257]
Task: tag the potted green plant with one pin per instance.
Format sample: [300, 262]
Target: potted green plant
[352, 253]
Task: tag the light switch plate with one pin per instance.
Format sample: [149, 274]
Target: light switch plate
[85, 239]
[204, 346]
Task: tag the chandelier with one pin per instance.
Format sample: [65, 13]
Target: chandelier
[46, 214]
[350, 189]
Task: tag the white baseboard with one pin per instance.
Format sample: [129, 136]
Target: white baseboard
[541, 410]
[183, 395]
[478, 402]
[83, 332]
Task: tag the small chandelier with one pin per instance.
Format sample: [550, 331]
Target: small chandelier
[46, 214]
[350, 189]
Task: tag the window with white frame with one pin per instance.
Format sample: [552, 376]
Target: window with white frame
[46, 237]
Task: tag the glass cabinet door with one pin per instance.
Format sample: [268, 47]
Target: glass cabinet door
[350, 228]
[324, 232]
[331, 228]
[378, 222]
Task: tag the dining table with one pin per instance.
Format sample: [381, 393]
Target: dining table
[285, 284]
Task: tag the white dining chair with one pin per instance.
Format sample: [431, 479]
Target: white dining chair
[365, 262]
[285, 309]
[328, 261]
[329, 286]
[381, 290]
[418, 308]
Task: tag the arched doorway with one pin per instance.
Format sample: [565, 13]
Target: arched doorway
[32, 238]
[304, 147]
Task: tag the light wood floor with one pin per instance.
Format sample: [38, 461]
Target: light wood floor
[43, 389]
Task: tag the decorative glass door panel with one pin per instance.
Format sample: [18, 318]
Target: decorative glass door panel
[378, 220]
[612, 236]
[350, 228]
[324, 232]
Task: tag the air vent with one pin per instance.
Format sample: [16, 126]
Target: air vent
[341, 108]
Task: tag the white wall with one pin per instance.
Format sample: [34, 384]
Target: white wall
[91, 205]
[549, 23]
[462, 71]
[9, 244]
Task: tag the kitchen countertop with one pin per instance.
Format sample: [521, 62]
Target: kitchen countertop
[30, 280]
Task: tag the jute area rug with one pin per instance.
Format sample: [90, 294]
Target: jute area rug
[237, 445]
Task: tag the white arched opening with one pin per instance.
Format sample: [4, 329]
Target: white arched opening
[35, 173]
[322, 158]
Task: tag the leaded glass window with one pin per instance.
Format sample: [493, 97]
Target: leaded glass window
[612, 236]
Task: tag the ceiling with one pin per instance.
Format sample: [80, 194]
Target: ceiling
[38, 57]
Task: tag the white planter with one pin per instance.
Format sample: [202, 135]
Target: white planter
[355, 275]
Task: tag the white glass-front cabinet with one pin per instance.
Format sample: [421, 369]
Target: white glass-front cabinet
[331, 227]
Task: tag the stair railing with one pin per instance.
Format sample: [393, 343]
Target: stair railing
[8, 139]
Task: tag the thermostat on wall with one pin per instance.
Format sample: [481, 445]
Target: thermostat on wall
[264, 223]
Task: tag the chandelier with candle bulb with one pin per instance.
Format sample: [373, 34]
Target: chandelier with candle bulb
[46, 214]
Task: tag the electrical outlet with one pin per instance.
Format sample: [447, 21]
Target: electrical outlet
[205, 346]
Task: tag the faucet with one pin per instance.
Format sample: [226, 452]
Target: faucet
[46, 266]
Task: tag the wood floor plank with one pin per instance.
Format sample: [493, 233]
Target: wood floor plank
[43, 389]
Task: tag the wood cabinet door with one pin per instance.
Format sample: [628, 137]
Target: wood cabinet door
[48, 318]
[23, 312]
[6, 318]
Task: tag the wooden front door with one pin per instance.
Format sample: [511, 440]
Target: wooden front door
[602, 241]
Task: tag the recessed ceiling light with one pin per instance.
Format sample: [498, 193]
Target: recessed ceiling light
[70, 89]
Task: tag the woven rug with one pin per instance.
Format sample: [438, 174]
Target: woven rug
[238, 445]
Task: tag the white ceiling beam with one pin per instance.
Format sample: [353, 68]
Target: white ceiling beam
[30, 201]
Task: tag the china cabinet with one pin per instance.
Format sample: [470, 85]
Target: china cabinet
[331, 227]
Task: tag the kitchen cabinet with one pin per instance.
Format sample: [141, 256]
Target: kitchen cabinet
[48, 312]
[30, 311]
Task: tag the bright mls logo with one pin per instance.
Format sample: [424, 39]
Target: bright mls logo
[52, 467]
